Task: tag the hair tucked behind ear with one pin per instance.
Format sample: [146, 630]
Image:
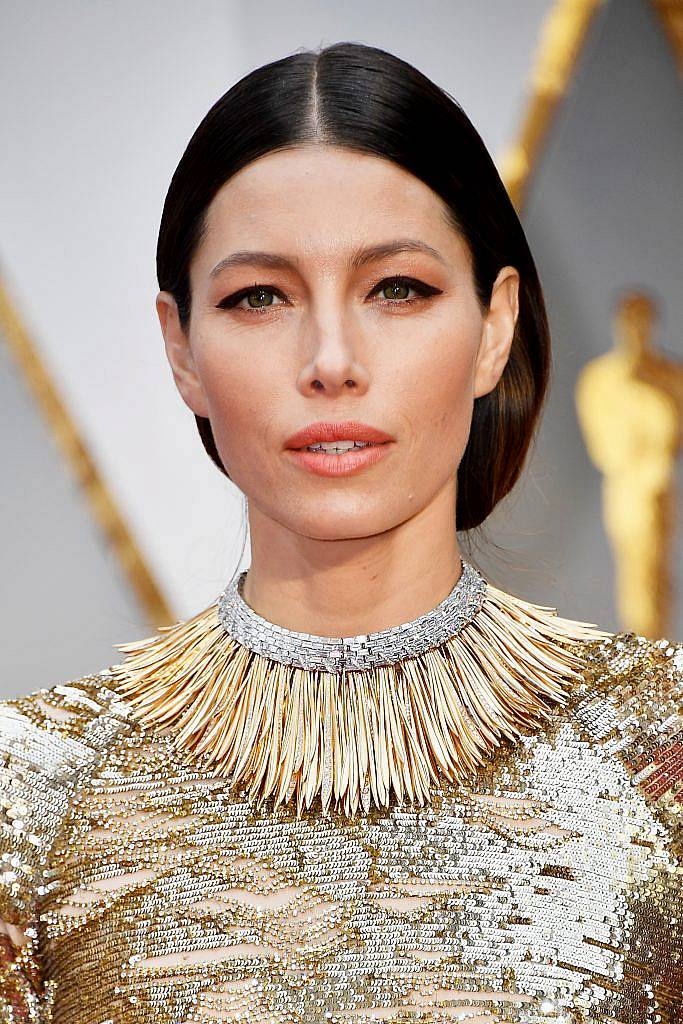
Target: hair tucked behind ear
[363, 98]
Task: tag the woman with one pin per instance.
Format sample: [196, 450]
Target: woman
[365, 783]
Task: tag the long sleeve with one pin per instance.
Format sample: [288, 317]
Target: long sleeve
[51, 740]
[23, 995]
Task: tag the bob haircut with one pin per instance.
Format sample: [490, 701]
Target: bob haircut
[366, 99]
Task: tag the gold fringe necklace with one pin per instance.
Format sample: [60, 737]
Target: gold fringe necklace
[286, 714]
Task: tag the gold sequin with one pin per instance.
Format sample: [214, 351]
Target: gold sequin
[135, 887]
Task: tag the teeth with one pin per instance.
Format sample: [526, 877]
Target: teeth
[337, 446]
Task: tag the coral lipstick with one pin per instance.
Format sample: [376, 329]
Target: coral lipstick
[326, 430]
[325, 464]
[351, 447]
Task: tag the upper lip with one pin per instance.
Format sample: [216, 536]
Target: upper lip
[347, 430]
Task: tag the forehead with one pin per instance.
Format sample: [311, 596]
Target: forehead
[318, 199]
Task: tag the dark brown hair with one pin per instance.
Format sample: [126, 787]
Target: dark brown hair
[363, 98]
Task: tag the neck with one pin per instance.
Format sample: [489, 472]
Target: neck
[352, 586]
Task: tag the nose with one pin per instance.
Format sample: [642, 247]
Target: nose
[334, 364]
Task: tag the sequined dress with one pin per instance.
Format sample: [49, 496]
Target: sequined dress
[137, 886]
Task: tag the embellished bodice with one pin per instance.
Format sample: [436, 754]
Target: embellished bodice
[137, 886]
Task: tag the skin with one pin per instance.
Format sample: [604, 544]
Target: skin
[340, 556]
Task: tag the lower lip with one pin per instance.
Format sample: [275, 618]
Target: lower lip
[326, 464]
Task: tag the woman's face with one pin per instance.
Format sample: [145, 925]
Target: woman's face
[321, 328]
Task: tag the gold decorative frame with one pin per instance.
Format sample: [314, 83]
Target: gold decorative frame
[670, 13]
[561, 41]
[79, 459]
[560, 44]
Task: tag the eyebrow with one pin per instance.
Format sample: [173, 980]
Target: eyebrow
[358, 258]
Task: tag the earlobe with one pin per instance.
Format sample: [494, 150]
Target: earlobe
[179, 354]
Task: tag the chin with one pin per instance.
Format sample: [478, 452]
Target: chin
[333, 523]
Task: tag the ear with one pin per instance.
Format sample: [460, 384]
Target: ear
[179, 354]
[497, 332]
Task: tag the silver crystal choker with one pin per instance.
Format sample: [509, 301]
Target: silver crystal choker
[354, 653]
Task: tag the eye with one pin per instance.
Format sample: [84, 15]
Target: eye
[398, 286]
[261, 295]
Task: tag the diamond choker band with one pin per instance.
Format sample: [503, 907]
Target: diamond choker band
[337, 654]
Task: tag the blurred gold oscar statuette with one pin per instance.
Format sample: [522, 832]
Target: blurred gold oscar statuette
[628, 404]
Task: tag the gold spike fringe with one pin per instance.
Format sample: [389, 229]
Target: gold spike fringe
[353, 737]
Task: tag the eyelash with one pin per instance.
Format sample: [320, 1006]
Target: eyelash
[423, 291]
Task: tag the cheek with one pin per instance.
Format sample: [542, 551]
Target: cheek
[437, 392]
[241, 402]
